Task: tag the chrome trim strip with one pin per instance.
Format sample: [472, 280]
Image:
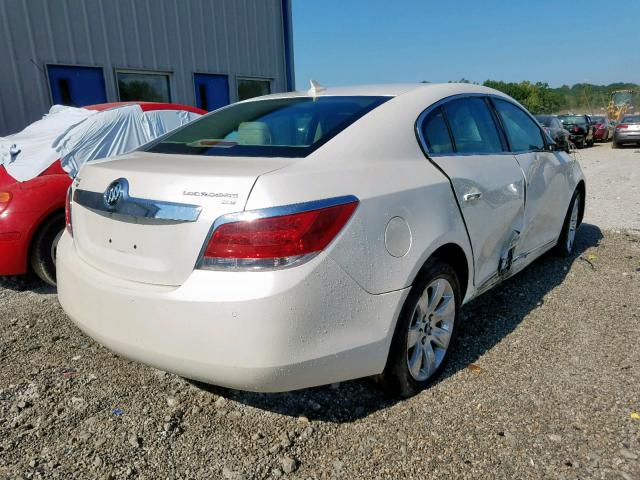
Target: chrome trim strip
[290, 209]
[282, 210]
[136, 207]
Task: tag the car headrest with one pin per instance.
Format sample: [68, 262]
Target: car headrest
[253, 133]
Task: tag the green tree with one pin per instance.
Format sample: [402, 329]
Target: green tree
[535, 97]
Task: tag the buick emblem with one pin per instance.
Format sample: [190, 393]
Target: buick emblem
[114, 192]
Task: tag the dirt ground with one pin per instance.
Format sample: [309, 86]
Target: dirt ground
[613, 190]
[544, 383]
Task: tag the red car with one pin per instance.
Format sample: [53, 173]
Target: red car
[32, 211]
[603, 129]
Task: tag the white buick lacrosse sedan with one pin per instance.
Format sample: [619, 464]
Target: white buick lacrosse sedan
[300, 239]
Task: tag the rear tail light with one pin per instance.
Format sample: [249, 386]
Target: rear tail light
[5, 199]
[267, 239]
[67, 213]
[576, 129]
[622, 126]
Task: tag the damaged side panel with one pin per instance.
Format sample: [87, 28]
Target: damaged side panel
[490, 190]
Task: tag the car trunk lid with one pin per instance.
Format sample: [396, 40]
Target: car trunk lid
[154, 231]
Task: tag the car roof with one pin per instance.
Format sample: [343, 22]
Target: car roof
[146, 106]
[386, 90]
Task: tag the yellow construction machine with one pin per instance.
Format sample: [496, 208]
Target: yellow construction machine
[623, 102]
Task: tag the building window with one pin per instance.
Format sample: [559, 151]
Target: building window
[143, 86]
[250, 87]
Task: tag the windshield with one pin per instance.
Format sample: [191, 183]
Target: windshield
[622, 98]
[598, 119]
[572, 119]
[631, 119]
[281, 127]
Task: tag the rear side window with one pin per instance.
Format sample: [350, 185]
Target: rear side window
[522, 132]
[472, 126]
[436, 133]
[279, 127]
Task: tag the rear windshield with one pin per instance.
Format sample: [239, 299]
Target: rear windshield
[572, 119]
[283, 127]
[598, 119]
[631, 119]
[544, 120]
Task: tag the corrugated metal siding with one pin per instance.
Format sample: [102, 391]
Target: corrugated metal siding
[232, 37]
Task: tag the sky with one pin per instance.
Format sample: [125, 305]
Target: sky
[348, 42]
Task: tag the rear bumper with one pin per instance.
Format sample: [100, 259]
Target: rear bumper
[623, 137]
[269, 331]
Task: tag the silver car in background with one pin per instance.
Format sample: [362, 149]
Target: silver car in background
[627, 131]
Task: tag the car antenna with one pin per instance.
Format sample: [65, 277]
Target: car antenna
[315, 88]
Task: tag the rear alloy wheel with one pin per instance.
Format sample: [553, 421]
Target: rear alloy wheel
[566, 242]
[44, 246]
[425, 332]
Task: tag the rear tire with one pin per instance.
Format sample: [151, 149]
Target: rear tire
[426, 331]
[43, 248]
[566, 241]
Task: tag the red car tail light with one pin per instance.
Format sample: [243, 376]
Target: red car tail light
[67, 213]
[5, 199]
[622, 126]
[260, 239]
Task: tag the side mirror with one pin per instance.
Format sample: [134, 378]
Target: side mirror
[552, 147]
[560, 143]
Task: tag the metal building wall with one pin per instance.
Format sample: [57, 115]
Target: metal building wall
[239, 38]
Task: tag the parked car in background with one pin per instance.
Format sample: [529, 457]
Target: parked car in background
[627, 131]
[305, 238]
[554, 129]
[603, 128]
[37, 166]
[580, 129]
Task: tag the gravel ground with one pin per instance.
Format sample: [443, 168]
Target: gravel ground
[544, 384]
[613, 186]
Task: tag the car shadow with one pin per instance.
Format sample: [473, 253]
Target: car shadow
[22, 283]
[486, 321]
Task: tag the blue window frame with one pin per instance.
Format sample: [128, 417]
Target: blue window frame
[212, 91]
[76, 86]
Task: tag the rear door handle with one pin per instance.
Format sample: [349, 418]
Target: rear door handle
[470, 197]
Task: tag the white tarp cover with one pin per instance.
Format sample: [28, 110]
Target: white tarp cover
[69, 134]
[35, 142]
[115, 132]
